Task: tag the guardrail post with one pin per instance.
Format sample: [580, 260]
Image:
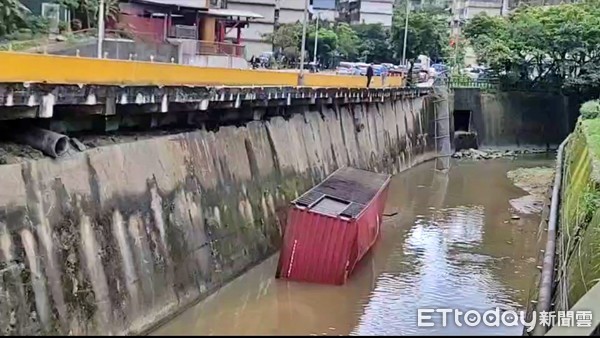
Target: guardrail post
[301, 78]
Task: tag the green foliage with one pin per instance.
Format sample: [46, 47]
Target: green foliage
[375, 43]
[286, 35]
[37, 24]
[541, 46]
[86, 11]
[591, 202]
[348, 41]
[428, 33]
[590, 109]
[327, 44]
[12, 16]
[592, 132]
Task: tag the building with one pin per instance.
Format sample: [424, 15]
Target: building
[274, 13]
[51, 10]
[203, 32]
[464, 10]
[291, 11]
[467, 9]
[367, 11]
[326, 9]
[255, 36]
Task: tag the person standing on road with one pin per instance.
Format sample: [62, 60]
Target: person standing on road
[369, 75]
[384, 74]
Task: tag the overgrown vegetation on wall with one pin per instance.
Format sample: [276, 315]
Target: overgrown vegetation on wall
[579, 242]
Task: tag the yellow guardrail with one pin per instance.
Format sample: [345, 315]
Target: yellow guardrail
[56, 69]
[350, 81]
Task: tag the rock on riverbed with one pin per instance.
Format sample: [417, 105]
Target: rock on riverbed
[536, 181]
[476, 154]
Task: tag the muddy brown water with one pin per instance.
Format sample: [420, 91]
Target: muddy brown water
[452, 244]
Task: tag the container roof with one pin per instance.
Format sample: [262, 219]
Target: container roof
[346, 192]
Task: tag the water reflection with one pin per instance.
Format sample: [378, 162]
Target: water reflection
[449, 246]
[440, 272]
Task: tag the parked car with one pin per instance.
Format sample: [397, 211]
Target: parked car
[346, 68]
[440, 68]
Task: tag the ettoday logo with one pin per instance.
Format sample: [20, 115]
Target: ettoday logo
[498, 317]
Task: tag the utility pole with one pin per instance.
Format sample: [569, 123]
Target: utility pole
[303, 42]
[100, 28]
[316, 40]
[504, 8]
[405, 32]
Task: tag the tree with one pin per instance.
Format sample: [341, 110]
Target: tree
[428, 33]
[327, 43]
[375, 46]
[285, 36]
[12, 16]
[87, 10]
[334, 40]
[348, 41]
[556, 46]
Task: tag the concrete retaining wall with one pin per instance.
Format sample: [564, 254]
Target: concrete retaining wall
[579, 222]
[116, 238]
[218, 61]
[517, 118]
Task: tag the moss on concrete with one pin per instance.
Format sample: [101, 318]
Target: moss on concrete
[592, 134]
[579, 239]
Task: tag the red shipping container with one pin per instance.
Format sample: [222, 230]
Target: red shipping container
[332, 226]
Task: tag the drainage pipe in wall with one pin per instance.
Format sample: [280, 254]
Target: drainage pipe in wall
[50, 143]
[547, 277]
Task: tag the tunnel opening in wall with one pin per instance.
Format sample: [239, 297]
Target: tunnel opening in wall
[464, 136]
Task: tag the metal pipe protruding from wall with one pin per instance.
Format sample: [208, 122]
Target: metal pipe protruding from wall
[50, 143]
[547, 277]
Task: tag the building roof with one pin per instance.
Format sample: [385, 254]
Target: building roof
[234, 12]
[177, 3]
[195, 4]
[346, 192]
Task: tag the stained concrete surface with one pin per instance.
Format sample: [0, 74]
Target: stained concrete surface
[114, 239]
[517, 119]
[452, 245]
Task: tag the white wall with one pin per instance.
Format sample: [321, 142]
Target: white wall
[292, 4]
[290, 15]
[252, 36]
[329, 15]
[384, 19]
[377, 7]
[268, 12]
[473, 11]
[256, 48]
[253, 32]
[250, 2]
[219, 61]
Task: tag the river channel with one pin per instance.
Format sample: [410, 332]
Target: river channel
[455, 242]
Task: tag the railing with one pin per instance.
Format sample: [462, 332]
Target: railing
[220, 48]
[471, 83]
[184, 32]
